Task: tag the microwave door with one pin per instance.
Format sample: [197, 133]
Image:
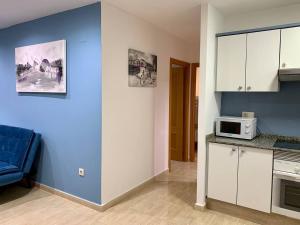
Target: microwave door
[230, 128]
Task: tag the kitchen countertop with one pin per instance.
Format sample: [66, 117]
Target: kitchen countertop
[263, 141]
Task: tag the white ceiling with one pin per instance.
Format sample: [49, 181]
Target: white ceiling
[18, 11]
[178, 17]
[182, 17]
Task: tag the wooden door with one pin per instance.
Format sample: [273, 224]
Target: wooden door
[177, 110]
[263, 61]
[290, 48]
[255, 178]
[231, 63]
[222, 172]
[194, 109]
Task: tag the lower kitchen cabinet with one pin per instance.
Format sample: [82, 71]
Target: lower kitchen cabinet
[222, 172]
[240, 175]
[255, 178]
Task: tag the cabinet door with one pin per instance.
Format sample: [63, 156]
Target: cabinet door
[263, 49]
[222, 172]
[255, 178]
[290, 48]
[231, 63]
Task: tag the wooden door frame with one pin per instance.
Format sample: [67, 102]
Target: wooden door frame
[193, 84]
[187, 67]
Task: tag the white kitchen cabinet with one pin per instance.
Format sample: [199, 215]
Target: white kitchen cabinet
[290, 48]
[231, 63]
[255, 178]
[222, 172]
[240, 175]
[249, 62]
[263, 61]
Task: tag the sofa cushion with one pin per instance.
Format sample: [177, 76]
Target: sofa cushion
[14, 145]
[7, 168]
[10, 178]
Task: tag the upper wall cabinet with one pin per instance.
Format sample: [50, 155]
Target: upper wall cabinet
[263, 61]
[290, 48]
[248, 62]
[231, 63]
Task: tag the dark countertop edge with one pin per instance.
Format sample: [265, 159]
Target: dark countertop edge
[212, 138]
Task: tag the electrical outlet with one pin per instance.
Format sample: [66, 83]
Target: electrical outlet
[81, 172]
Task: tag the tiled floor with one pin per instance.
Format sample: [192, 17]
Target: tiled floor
[168, 201]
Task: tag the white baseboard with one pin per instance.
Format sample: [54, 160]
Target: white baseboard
[127, 194]
[200, 207]
[98, 207]
[93, 205]
[130, 192]
[68, 196]
[162, 172]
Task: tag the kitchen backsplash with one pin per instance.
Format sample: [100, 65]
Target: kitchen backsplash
[277, 113]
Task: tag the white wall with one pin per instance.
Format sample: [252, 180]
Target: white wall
[269, 17]
[209, 101]
[135, 120]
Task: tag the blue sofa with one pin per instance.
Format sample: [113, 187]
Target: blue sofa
[18, 148]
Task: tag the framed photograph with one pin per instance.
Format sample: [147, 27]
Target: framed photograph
[142, 69]
[41, 68]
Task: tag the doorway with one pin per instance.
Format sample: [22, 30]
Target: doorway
[182, 111]
[194, 110]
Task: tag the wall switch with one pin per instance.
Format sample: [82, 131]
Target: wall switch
[81, 172]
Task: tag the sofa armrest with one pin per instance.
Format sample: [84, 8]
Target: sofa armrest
[32, 153]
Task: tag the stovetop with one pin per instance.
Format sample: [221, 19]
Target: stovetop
[287, 144]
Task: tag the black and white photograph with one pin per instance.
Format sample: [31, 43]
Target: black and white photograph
[142, 69]
[41, 68]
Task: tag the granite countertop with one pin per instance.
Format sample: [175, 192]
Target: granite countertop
[263, 141]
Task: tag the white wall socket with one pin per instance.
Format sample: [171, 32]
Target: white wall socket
[81, 172]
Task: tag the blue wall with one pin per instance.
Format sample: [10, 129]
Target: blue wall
[277, 113]
[70, 124]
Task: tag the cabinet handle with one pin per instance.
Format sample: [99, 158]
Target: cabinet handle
[283, 65]
[248, 88]
[243, 151]
[240, 88]
[233, 149]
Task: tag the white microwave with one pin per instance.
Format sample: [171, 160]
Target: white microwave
[236, 127]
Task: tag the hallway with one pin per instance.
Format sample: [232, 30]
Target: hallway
[180, 172]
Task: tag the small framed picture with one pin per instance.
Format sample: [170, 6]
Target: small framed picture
[142, 69]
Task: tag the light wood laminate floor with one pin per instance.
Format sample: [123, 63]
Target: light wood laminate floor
[168, 201]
